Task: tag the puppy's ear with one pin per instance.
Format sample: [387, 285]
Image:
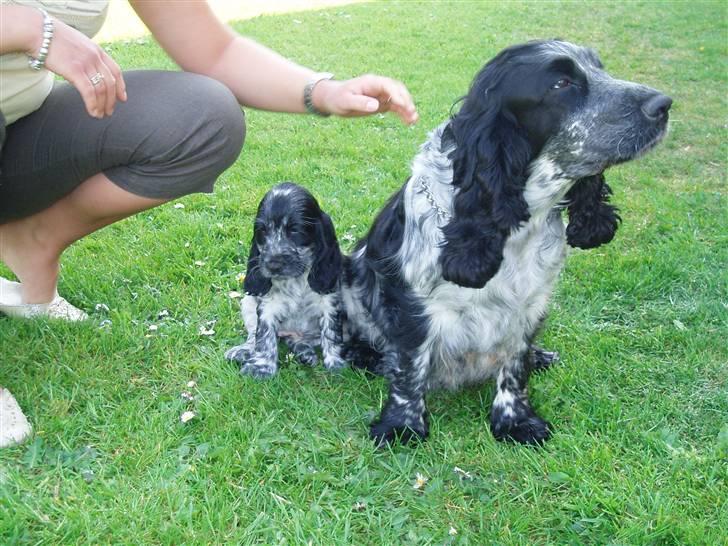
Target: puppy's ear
[592, 220]
[489, 160]
[326, 268]
[255, 284]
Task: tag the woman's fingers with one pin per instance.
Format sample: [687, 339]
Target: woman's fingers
[367, 95]
[88, 68]
[118, 77]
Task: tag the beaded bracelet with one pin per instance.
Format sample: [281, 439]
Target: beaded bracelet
[38, 62]
[308, 93]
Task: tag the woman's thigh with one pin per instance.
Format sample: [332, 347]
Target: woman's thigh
[175, 135]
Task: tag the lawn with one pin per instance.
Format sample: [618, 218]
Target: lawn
[639, 402]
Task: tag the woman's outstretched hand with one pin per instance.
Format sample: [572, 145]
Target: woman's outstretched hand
[365, 95]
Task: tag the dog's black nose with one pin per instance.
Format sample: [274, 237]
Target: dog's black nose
[657, 106]
[274, 264]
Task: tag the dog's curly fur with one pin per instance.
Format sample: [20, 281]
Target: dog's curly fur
[291, 284]
[452, 282]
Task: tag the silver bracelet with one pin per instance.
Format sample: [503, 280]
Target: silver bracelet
[38, 62]
[308, 93]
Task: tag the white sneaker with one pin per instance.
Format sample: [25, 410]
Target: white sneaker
[14, 427]
[11, 304]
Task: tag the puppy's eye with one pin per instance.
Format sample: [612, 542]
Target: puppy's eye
[561, 84]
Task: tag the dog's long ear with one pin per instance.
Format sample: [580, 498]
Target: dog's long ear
[592, 220]
[490, 157]
[473, 251]
[327, 260]
[255, 284]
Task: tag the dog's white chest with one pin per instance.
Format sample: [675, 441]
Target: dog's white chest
[292, 304]
[473, 332]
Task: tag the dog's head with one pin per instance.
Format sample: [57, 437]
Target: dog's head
[292, 235]
[550, 100]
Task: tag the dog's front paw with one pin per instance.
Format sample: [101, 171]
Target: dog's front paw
[405, 423]
[528, 429]
[259, 368]
[239, 353]
[384, 433]
[334, 363]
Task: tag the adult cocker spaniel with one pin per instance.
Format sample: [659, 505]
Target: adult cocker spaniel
[291, 285]
[451, 283]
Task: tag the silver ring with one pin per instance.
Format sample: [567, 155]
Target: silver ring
[96, 78]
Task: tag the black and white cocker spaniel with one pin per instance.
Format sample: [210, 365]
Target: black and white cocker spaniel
[291, 285]
[452, 281]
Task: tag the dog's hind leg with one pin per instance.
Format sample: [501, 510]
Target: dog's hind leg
[304, 352]
[332, 342]
[404, 415]
[511, 417]
[540, 359]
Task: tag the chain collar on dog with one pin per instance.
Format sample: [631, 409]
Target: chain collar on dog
[424, 182]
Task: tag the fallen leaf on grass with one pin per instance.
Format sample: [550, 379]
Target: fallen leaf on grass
[207, 329]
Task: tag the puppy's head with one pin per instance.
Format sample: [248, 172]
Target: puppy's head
[292, 236]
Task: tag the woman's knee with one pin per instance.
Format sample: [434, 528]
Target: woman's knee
[194, 132]
[219, 105]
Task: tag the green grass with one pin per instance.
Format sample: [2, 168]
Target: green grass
[639, 402]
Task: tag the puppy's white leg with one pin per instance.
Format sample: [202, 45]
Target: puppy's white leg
[263, 362]
[249, 313]
[331, 332]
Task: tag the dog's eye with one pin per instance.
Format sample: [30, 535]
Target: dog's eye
[260, 233]
[563, 82]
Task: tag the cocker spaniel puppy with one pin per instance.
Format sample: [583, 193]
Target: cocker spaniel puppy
[291, 285]
[452, 281]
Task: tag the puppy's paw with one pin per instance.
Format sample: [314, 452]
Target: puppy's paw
[259, 369]
[538, 359]
[305, 354]
[334, 363]
[239, 353]
[530, 429]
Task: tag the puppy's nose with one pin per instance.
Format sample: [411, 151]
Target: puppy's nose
[657, 106]
[276, 264]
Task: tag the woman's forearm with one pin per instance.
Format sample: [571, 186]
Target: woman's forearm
[21, 29]
[261, 78]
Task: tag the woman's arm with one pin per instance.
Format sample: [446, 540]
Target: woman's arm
[70, 55]
[20, 29]
[198, 42]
